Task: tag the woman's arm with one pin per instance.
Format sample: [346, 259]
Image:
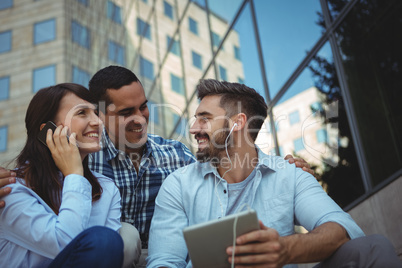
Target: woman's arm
[30, 223]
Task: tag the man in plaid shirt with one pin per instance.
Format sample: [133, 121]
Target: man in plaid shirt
[138, 162]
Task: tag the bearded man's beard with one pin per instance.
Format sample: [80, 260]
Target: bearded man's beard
[216, 147]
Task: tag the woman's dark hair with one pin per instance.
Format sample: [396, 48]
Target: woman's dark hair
[35, 163]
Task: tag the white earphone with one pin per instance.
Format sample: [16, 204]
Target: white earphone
[235, 125]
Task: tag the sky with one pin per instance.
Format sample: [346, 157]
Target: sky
[287, 28]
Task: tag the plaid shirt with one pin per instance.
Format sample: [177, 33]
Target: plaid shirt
[138, 191]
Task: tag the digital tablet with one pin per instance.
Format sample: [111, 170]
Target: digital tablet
[207, 242]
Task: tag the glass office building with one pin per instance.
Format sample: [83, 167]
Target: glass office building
[330, 71]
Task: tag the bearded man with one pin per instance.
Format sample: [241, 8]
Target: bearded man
[232, 171]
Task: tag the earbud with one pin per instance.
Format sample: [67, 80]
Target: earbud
[235, 125]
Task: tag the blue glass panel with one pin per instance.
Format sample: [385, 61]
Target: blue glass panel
[294, 117]
[237, 52]
[299, 145]
[80, 76]
[114, 12]
[84, 2]
[223, 73]
[146, 68]
[4, 87]
[143, 29]
[193, 26]
[5, 41]
[6, 4]
[44, 77]
[316, 107]
[80, 34]
[322, 136]
[3, 138]
[168, 10]
[45, 31]
[216, 40]
[177, 84]
[175, 47]
[116, 53]
[182, 127]
[197, 60]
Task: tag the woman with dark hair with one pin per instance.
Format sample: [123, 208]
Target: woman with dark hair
[59, 213]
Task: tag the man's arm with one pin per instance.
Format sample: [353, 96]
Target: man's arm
[166, 246]
[266, 247]
[328, 224]
[6, 177]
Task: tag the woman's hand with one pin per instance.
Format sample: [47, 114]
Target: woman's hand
[65, 154]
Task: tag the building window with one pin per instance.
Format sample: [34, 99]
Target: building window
[216, 40]
[80, 76]
[5, 41]
[4, 4]
[175, 47]
[146, 68]
[143, 29]
[116, 53]
[168, 9]
[84, 2]
[114, 12]
[197, 60]
[177, 84]
[193, 26]
[145, 1]
[322, 136]
[223, 73]
[294, 118]
[181, 128]
[44, 77]
[298, 143]
[80, 34]
[316, 108]
[240, 80]
[4, 87]
[45, 31]
[237, 52]
[153, 112]
[3, 138]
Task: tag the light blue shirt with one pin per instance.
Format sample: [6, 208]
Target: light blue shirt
[282, 196]
[31, 234]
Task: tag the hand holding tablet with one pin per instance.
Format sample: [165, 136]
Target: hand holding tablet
[207, 242]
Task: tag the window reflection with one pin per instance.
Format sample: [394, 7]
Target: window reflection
[286, 34]
[225, 9]
[335, 7]
[373, 73]
[314, 126]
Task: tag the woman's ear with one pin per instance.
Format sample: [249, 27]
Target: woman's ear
[41, 126]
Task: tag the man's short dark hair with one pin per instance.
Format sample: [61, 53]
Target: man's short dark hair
[111, 77]
[237, 98]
